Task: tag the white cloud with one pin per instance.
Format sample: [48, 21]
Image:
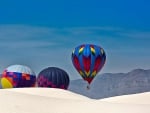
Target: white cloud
[21, 36]
[135, 34]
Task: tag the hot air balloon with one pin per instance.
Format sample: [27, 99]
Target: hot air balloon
[88, 59]
[16, 76]
[53, 77]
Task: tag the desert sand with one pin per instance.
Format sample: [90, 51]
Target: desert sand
[49, 100]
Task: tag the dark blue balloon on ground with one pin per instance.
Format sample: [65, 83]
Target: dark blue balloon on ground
[53, 77]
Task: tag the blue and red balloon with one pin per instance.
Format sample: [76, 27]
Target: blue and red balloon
[88, 59]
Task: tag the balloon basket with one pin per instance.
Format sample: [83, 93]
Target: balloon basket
[88, 87]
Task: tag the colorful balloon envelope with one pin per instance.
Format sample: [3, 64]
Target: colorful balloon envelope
[17, 76]
[53, 77]
[88, 59]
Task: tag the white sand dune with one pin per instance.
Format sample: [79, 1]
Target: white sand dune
[142, 98]
[49, 92]
[47, 100]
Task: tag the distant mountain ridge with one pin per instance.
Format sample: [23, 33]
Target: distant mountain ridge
[114, 84]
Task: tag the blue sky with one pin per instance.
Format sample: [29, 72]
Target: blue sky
[44, 33]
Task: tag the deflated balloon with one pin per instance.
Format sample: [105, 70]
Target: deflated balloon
[88, 59]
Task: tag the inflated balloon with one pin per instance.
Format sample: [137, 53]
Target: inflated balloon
[16, 76]
[88, 59]
[53, 77]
